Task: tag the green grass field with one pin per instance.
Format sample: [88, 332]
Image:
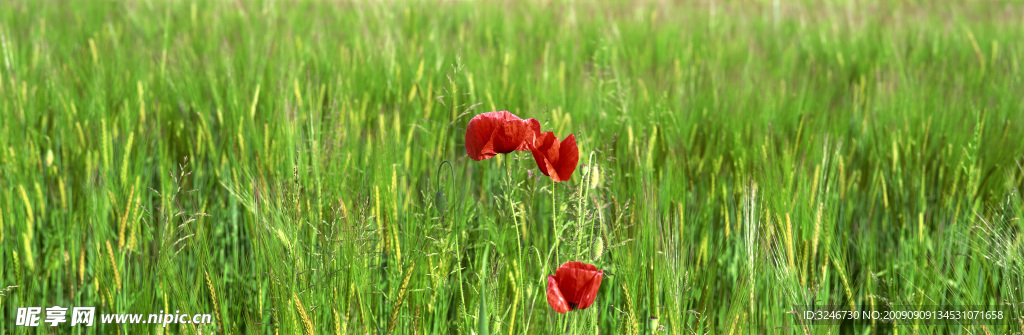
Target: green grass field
[277, 164]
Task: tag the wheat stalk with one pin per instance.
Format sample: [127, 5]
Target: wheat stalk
[732, 328]
[306, 322]
[124, 218]
[29, 226]
[113, 264]
[338, 329]
[81, 267]
[634, 326]
[401, 298]
[846, 284]
[515, 305]
[817, 231]
[216, 306]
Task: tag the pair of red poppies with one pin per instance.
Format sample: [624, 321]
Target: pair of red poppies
[501, 132]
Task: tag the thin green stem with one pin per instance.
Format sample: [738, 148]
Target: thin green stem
[510, 187]
[554, 219]
[554, 247]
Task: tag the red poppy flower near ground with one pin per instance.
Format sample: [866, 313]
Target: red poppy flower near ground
[500, 132]
[556, 159]
[574, 286]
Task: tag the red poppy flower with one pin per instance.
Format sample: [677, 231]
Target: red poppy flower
[556, 159]
[574, 286]
[501, 132]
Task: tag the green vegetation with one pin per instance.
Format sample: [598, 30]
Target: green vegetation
[282, 165]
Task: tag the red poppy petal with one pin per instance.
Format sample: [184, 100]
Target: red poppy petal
[514, 134]
[546, 167]
[579, 265]
[499, 132]
[480, 135]
[542, 162]
[544, 142]
[555, 298]
[530, 136]
[545, 145]
[589, 292]
[568, 158]
[579, 283]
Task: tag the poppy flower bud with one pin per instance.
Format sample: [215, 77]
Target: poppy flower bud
[440, 202]
[597, 250]
[594, 176]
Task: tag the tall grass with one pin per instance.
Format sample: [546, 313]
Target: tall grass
[300, 167]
